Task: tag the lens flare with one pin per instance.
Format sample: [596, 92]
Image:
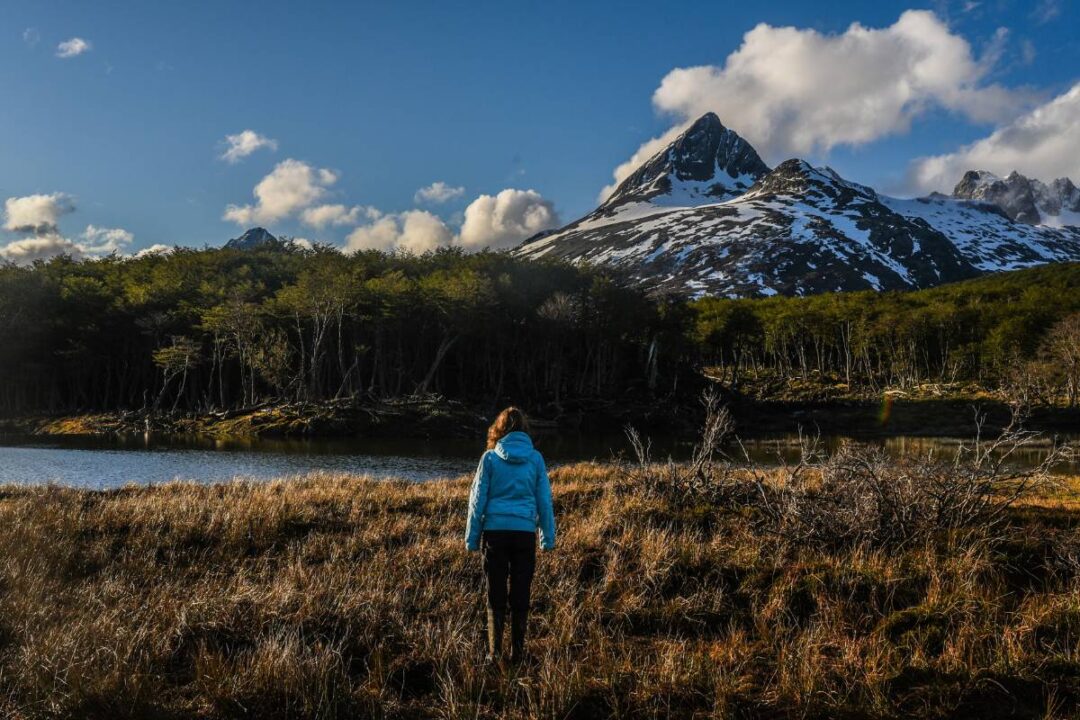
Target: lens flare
[885, 411]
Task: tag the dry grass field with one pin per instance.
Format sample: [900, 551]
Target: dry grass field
[333, 596]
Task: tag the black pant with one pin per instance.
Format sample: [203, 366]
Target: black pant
[509, 555]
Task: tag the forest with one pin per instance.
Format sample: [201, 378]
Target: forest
[210, 329]
[1016, 331]
[207, 329]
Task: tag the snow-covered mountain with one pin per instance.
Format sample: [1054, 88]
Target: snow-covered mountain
[1024, 199]
[707, 216]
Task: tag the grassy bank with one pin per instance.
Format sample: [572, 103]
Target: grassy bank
[421, 416]
[415, 416]
[333, 596]
[764, 401]
[923, 417]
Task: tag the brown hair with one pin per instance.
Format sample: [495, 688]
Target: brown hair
[508, 421]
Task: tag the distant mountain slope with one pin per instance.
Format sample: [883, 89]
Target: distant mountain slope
[706, 216]
[985, 235]
[1023, 199]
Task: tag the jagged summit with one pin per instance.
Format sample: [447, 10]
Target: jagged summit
[1013, 194]
[252, 239]
[1023, 199]
[707, 162]
[798, 177]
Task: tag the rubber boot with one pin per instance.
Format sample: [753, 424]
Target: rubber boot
[496, 621]
[519, 622]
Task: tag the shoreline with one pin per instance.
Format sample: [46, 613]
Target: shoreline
[413, 418]
[431, 418]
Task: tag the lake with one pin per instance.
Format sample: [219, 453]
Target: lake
[113, 462]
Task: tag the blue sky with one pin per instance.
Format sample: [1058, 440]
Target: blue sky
[391, 97]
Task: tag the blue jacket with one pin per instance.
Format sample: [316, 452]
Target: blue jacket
[511, 491]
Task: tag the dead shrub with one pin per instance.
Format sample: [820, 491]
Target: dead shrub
[861, 496]
[706, 478]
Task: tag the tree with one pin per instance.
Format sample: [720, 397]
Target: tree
[1062, 345]
[234, 326]
[175, 360]
[459, 300]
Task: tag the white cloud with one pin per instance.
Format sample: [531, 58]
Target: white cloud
[793, 91]
[295, 188]
[102, 241]
[37, 214]
[31, 36]
[290, 187]
[413, 231]
[504, 220]
[438, 192]
[1041, 144]
[383, 234]
[157, 249]
[41, 247]
[995, 49]
[73, 47]
[322, 215]
[244, 143]
[94, 242]
[302, 243]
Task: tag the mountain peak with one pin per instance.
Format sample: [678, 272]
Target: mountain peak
[706, 163]
[797, 177]
[1060, 198]
[709, 120]
[1023, 199]
[1013, 194]
[253, 239]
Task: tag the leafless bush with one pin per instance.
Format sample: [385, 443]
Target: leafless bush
[706, 477]
[1031, 383]
[860, 495]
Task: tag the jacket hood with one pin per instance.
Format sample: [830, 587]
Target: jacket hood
[515, 447]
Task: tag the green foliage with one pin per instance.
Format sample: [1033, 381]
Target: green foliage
[978, 330]
[488, 328]
[216, 328]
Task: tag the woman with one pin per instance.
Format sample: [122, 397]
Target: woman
[510, 498]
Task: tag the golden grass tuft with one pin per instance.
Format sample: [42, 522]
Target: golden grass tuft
[334, 596]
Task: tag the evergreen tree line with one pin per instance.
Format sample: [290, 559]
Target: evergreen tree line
[214, 329]
[1018, 330]
[202, 330]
